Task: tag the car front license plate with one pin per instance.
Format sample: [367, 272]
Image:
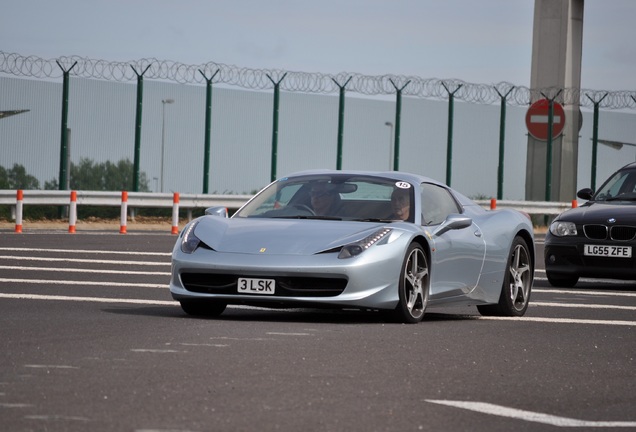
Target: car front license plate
[608, 251]
[256, 286]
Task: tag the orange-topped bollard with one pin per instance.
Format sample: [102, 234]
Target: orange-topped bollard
[124, 212]
[493, 203]
[575, 203]
[18, 210]
[72, 213]
[175, 213]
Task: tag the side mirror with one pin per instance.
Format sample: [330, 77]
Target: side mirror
[453, 222]
[585, 194]
[217, 211]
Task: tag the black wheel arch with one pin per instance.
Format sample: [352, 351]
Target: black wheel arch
[530, 242]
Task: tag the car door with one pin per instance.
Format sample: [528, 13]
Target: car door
[458, 254]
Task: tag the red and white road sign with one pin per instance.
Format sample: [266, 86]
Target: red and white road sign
[537, 119]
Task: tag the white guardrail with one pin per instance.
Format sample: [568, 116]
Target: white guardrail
[17, 199]
[114, 199]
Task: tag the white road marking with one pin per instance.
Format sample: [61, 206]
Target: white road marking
[557, 320]
[15, 405]
[86, 251]
[581, 292]
[37, 366]
[70, 282]
[56, 417]
[81, 260]
[77, 270]
[205, 345]
[148, 350]
[530, 416]
[288, 334]
[88, 299]
[582, 306]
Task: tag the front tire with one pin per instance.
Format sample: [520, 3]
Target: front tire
[203, 308]
[414, 286]
[517, 285]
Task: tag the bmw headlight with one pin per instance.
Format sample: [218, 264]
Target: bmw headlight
[562, 229]
[189, 241]
[356, 248]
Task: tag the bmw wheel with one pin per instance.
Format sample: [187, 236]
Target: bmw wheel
[413, 286]
[517, 285]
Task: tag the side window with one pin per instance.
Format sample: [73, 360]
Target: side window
[437, 204]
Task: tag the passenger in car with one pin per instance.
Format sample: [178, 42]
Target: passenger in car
[400, 204]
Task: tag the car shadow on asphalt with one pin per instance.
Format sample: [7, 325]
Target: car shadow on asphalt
[327, 316]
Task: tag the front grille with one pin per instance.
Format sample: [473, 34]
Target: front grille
[617, 233]
[595, 232]
[298, 286]
[623, 233]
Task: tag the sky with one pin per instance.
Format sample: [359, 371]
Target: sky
[486, 42]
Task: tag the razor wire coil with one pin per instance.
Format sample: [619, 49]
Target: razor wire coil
[306, 82]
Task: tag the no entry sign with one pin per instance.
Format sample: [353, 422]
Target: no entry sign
[537, 119]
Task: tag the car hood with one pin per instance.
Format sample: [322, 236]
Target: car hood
[623, 213]
[279, 236]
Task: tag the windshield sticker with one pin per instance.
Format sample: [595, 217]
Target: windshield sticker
[402, 185]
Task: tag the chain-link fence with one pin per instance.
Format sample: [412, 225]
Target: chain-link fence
[233, 130]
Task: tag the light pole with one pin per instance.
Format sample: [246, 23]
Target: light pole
[163, 132]
[389, 124]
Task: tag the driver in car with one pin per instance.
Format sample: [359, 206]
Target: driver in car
[325, 199]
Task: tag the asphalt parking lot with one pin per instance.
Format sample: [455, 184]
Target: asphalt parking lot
[93, 341]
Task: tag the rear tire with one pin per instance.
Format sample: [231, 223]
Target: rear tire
[203, 308]
[517, 284]
[414, 285]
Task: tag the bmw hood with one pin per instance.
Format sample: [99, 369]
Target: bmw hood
[278, 236]
[599, 213]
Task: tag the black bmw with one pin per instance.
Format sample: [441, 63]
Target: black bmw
[598, 238]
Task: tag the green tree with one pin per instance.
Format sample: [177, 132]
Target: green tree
[107, 176]
[17, 178]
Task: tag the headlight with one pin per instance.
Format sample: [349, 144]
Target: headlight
[189, 241]
[355, 249]
[562, 229]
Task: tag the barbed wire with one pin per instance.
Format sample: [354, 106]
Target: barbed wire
[307, 82]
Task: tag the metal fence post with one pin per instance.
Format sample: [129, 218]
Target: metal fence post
[398, 116]
[502, 139]
[208, 127]
[449, 145]
[275, 125]
[64, 138]
[548, 182]
[140, 96]
[595, 138]
[341, 105]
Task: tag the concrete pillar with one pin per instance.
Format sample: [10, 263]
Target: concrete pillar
[556, 64]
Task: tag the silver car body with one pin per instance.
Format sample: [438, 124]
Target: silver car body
[467, 253]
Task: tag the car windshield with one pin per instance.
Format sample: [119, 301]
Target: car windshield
[621, 186]
[333, 197]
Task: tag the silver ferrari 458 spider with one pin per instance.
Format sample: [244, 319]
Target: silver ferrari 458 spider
[387, 241]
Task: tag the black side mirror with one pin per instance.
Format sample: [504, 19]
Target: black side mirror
[585, 194]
